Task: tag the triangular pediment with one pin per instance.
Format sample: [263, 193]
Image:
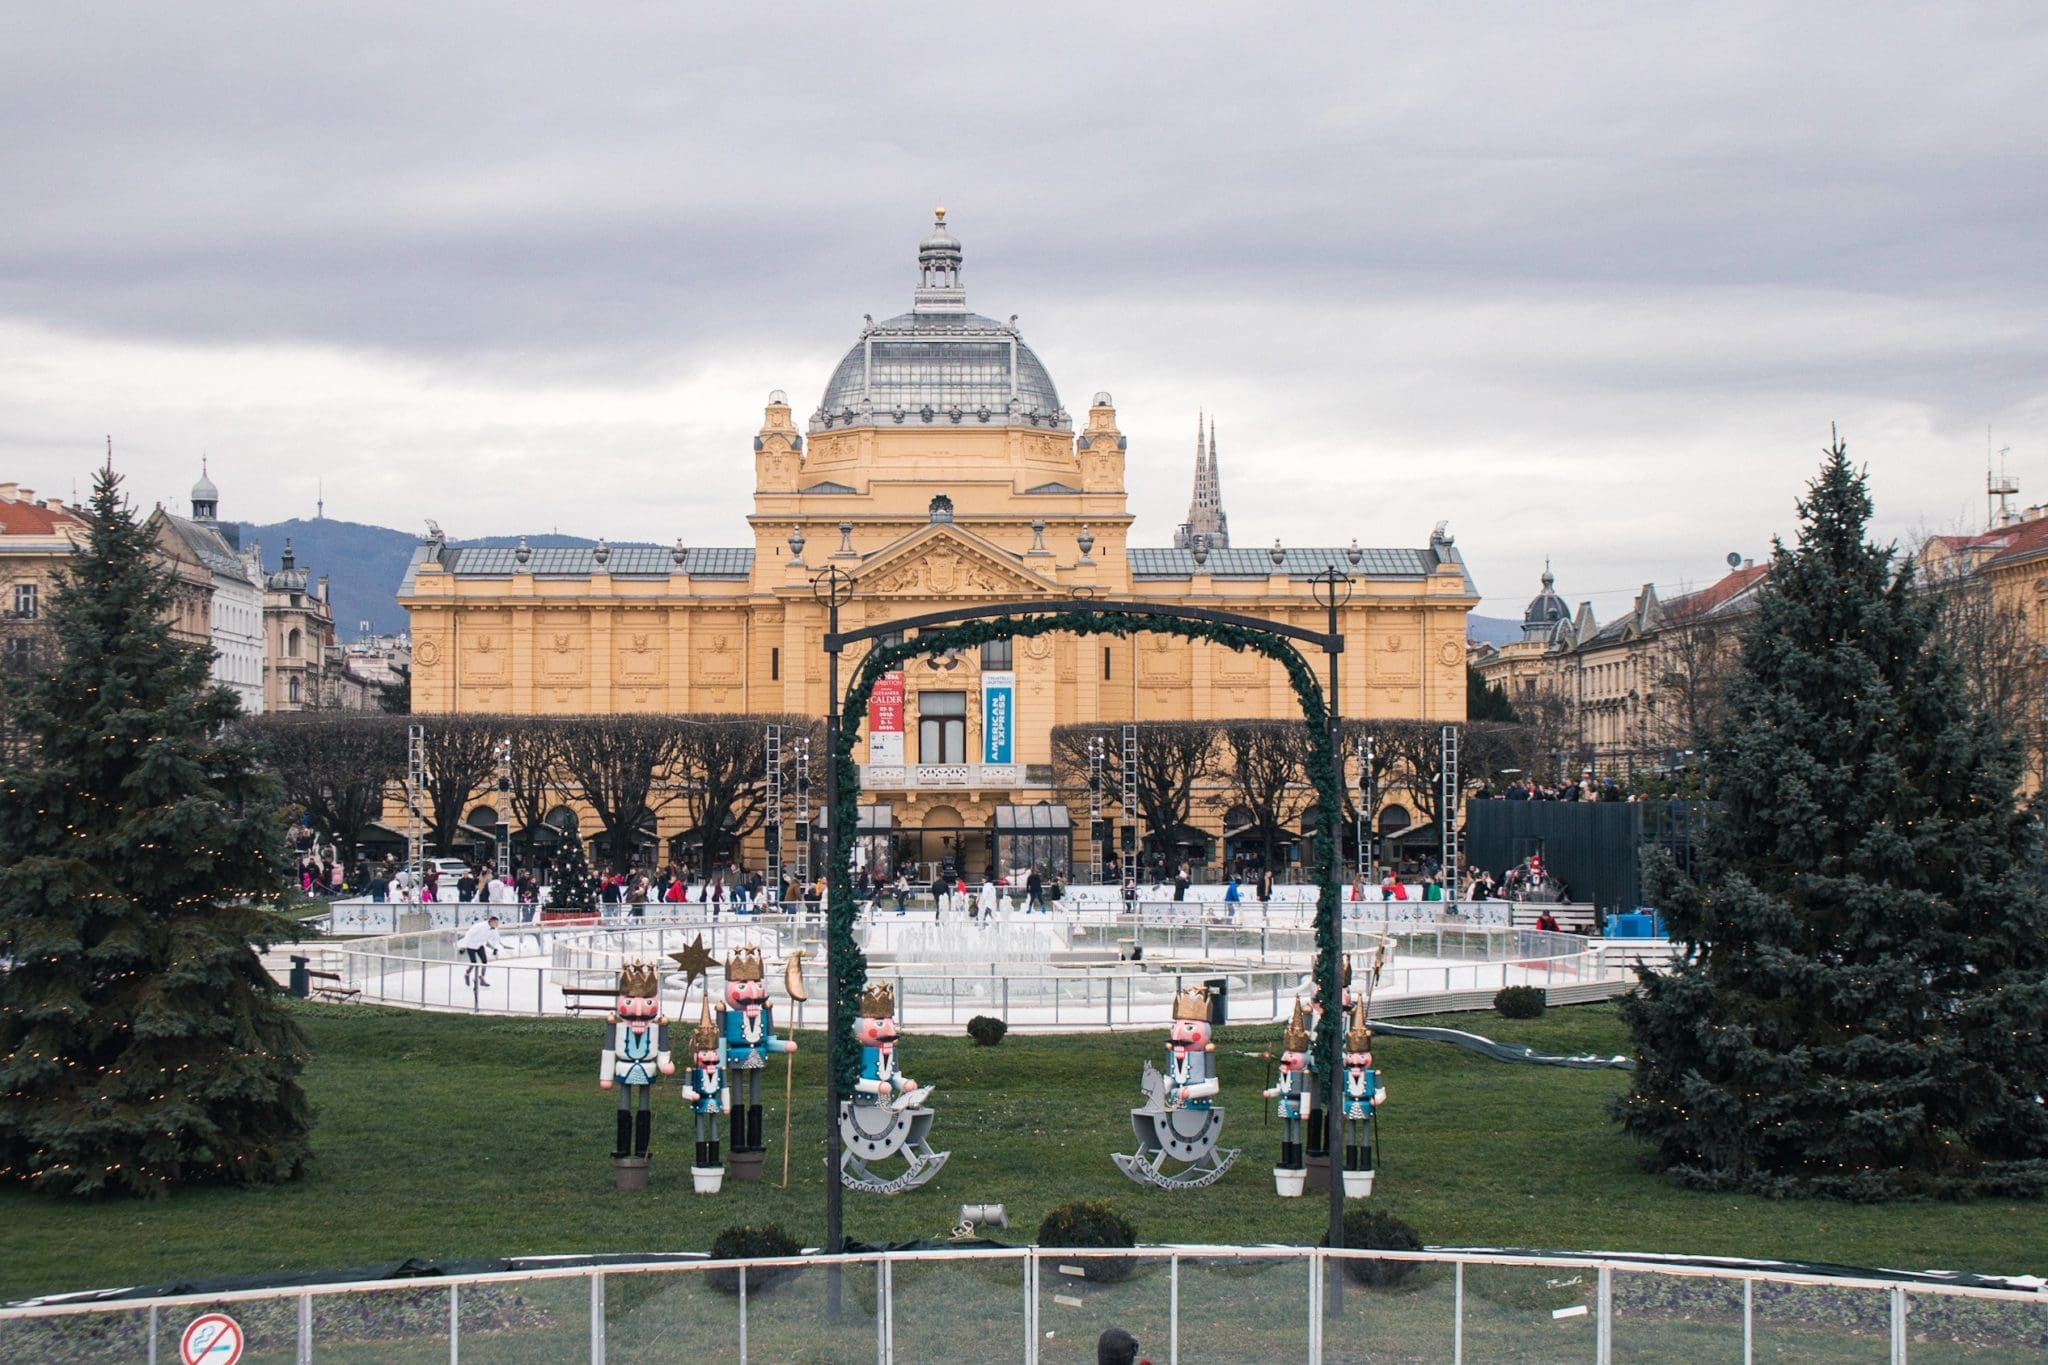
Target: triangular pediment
[944, 561]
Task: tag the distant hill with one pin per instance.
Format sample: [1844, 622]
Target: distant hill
[1492, 630]
[363, 565]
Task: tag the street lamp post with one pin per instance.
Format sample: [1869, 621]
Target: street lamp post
[834, 588]
[1332, 589]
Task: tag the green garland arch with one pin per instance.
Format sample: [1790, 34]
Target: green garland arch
[850, 965]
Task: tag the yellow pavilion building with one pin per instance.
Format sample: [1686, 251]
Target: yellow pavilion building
[939, 469]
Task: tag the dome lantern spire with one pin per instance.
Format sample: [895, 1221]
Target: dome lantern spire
[938, 264]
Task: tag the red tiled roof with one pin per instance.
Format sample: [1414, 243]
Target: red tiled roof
[1708, 599]
[2023, 540]
[30, 519]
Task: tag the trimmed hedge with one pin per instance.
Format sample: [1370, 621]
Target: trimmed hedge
[1520, 1002]
[1092, 1223]
[986, 1030]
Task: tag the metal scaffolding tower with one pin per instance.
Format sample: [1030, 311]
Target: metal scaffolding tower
[771, 824]
[504, 807]
[415, 789]
[1447, 806]
[1368, 799]
[1096, 833]
[1130, 804]
[802, 750]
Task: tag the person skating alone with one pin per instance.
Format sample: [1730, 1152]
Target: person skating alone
[477, 943]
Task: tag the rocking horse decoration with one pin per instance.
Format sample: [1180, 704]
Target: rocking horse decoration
[1179, 1122]
[886, 1116]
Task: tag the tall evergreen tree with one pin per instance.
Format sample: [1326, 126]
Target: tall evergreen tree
[142, 1044]
[1860, 1004]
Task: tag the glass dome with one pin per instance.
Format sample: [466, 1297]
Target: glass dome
[939, 363]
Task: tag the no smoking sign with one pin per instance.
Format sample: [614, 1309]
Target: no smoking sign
[215, 1339]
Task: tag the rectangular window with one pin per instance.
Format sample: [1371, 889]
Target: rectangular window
[774, 664]
[1105, 663]
[25, 606]
[21, 653]
[997, 654]
[942, 727]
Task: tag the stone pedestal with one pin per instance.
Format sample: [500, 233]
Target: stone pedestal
[744, 1165]
[630, 1172]
[1319, 1172]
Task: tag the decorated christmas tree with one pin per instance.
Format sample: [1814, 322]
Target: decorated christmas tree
[571, 883]
[142, 1044]
[1860, 1004]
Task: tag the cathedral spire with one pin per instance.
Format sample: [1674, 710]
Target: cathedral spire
[1206, 521]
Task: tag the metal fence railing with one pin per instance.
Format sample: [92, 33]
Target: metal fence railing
[1111, 974]
[1050, 1305]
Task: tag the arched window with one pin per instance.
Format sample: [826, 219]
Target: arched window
[291, 647]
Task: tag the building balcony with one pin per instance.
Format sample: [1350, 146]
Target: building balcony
[940, 776]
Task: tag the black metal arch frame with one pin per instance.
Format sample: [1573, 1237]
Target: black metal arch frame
[965, 627]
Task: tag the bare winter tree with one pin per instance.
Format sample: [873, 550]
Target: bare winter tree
[616, 764]
[1264, 767]
[536, 785]
[1692, 656]
[461, 760]
[1174, 758]
[335, 765]
[721, 769]
[2001, 666]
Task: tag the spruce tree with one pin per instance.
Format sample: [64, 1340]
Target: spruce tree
[142, 1045]
[571, 884]
[1859, 1008]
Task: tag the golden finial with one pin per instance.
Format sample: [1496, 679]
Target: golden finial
[940, 211]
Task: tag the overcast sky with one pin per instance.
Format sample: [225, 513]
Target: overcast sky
[1589, 280]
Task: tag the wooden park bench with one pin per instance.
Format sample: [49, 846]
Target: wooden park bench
[330, 986]
[589, 999]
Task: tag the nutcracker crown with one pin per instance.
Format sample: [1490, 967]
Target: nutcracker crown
[1359, 1037]
[704, 1038]
[744, 964]
[1192, 1003]
[878, 1001]
[1294, 1038]
[639, 979]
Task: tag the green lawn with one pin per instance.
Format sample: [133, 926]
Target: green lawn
[443, 1136]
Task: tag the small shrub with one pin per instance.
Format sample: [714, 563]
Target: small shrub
[745, 1242]
[1371, 1230]
[1520, 1002]
[1092, 1223]
[985, 1030]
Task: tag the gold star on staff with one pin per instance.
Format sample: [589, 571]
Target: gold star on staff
[695, 961]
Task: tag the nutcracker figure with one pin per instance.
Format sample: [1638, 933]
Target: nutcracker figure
[1362, 1094]
[1180, 1120]
[1295, 1096]
[887, 1115]
[708, 1092]
[746, 1027]
[635, 1052]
